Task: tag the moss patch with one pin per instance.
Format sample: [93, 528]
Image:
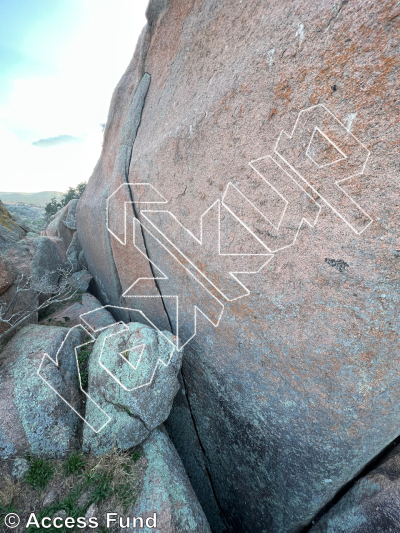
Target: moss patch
[6, 219]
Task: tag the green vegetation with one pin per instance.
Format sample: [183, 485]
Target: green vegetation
[83, 359]
[73, 193]
[68, 504]
[74, 464]
[136, 455]
[39, 474]
[5, 509]
[110, 478]
[102, 486]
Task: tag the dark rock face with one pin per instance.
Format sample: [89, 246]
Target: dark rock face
[372, 505]
[294, 391]
[180, 426]
[7, 274]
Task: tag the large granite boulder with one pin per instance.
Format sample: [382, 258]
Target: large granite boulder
[33, 417]
[298, 383]
[133, 380]
[167, 492]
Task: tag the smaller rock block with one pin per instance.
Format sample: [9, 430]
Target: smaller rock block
[71, 315]
[167, 491]
[80, 280]
[62, 225]
[73, 252]
[133, 377]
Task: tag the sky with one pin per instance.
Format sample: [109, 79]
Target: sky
[60, 61]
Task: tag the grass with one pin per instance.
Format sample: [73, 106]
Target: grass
[74, 464]
[136, 455]
[39, 474]
[83, 359]
[102, 485]
[5, 509]
[110, 481]
[114, 470]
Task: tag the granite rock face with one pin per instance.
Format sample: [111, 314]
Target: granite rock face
[109, 261]
[7, 274]
[35, 267]
[297, 385]
[73, 252]
[10, 230]
[372, 505]
[62, 225]
[133, 378]
[167, 491]
[34, 419]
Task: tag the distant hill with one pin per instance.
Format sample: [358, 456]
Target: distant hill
[38, 198]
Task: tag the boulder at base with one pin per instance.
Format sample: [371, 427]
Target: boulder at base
[129, 381]
[167, 491]
[33, 418]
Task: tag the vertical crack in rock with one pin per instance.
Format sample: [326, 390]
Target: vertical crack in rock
[203, 451]
[369, 467]
[129, 134]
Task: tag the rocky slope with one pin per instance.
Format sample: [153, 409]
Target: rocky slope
[291, 386]
[74, 444]
[33, 217]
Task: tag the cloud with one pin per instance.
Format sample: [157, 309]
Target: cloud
[74, 99]
[25, 168]
[56, 141]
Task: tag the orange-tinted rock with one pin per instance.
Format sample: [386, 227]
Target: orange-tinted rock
[299, 382]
